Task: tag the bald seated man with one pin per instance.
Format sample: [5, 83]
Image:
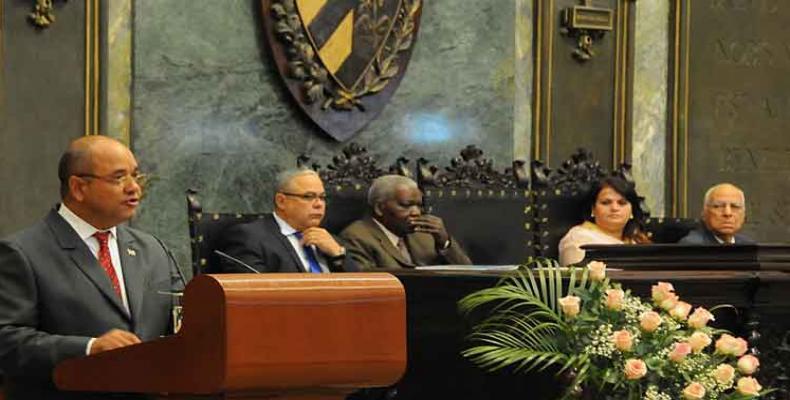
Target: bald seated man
[723, 214]
[397, 234]
[290, 239]
[79, 282]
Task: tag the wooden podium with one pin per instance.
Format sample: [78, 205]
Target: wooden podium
[263, 336]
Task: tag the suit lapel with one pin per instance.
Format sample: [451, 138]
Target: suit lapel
[83, 259]
[286, 244]
[386, 244]
[133, 271]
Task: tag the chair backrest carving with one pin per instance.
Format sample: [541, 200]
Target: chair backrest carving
[471, 170]
[489, 212]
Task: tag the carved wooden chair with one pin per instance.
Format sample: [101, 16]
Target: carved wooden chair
[346, 181]
[489, 212]
[205, 229]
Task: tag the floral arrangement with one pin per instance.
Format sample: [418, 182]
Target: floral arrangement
[603, 339]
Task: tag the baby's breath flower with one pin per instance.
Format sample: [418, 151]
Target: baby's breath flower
[601, 342]
[653, 393]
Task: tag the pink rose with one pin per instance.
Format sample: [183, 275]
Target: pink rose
[694, 391]
[597, 271]
[699, 341]
[749, 386]
[679, 351]
[661, 290]
[614, 299]
[748, 364]
[730, 345]
[680, 311]
[649, 321]
[669, 302]
[571, 305]
[699, 318]
[724, 374]
[635, 369]
[623, 340]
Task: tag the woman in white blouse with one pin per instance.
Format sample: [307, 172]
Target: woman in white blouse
[615, 218]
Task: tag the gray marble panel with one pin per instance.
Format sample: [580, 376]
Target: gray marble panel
[210, 111]
[650, 102]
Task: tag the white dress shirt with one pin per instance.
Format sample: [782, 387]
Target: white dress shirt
[289, 232]
[85, 231]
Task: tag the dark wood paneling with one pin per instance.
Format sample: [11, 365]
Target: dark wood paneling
[43, 106]
[582, 104]
[733, 108]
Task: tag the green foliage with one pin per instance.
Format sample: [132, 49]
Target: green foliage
[577, 323]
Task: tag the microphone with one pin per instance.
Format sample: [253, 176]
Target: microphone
[175, 263]
[236, 261]
[177, 312]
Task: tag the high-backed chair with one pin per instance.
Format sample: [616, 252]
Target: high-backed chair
[490, 213]
[205, 230]
[669, 230]
[346, 181]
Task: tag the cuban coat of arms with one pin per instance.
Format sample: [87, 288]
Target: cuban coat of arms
[342, 59]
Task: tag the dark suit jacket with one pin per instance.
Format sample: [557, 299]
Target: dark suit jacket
[702, 235]
[54, 297]
[371, 249]
[261, 245]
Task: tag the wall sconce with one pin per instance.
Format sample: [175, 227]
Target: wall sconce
[586, 24]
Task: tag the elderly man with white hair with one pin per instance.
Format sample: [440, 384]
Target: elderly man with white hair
[397, 234]
[723, 214]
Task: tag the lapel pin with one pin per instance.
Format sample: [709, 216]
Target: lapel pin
[131, 252]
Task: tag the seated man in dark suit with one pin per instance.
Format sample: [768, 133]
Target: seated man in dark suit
[723, 213]
[290, 239]
[78, 282]
[397, 234]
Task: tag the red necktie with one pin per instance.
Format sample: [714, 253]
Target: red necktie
[106, 261]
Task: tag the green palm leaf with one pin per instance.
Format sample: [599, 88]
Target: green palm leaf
[525, 329]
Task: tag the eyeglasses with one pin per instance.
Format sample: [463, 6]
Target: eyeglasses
[119, 180]
[308, 197]
[719, 206]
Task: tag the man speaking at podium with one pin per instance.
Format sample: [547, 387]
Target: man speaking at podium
[78, 282]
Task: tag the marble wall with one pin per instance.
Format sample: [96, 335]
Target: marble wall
[649, 129]
[210, 112]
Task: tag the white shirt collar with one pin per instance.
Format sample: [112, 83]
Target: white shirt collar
[285, 228]
[84, 230]
[391, 236]
[722, 241]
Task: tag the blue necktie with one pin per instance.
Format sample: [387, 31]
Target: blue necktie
[315, 268]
